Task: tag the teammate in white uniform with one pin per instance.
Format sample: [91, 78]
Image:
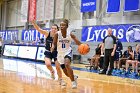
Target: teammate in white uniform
[62, 40]
[64, 47]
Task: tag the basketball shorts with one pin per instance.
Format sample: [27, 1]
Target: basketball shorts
[61, 57]
[51, 55]
[116, 56]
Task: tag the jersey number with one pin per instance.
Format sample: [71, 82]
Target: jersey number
[63, 45]
[50, 44]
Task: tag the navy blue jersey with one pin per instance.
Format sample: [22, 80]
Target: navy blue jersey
[136, 56]
[48, 42]
[127, 55]
[139, 57]
[119, 46]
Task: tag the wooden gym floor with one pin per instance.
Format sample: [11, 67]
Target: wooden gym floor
[20, 76]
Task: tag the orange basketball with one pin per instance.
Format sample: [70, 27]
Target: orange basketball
[83, 49]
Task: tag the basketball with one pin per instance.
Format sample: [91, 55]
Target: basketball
[83, 49]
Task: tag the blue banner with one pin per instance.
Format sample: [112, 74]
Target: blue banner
[125, 33]
[9, 34]
[88, 5]
[30, 35]
[113, 6]
[131, 5]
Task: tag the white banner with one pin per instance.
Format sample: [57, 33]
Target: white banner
[28, 52]
[49, 8]
[40, 10]
[24, 10]
[10, 50]
[59, 9]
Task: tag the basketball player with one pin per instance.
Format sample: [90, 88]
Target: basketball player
[62, 40]
[48, 54]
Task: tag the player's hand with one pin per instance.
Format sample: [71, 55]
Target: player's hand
[52, 48]
[33, 22]
[131, 53]
[112, 54]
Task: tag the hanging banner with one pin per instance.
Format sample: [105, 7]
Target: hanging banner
[32, 10]
[131, 5]
[24, 10]
[113, 6]
[30, 35]
[125, 33]
[59, 8]
[40, 10]
[49, 9]
[9, 34]
[88, 5]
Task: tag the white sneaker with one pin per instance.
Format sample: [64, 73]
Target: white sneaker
[52, 75]
[62, 82]
[75, 78]
[74, 85]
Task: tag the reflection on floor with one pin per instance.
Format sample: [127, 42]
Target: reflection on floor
[21, 76]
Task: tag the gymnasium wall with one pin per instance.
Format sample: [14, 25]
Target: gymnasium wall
[72, 12]
[0, 16]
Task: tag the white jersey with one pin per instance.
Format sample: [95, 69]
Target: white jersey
[63, 46]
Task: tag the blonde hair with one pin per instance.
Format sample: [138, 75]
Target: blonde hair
[137, 47]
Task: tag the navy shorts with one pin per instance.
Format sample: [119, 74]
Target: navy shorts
[116, 56]
[51, 55]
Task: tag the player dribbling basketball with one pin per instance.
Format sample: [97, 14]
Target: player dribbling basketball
[62, 40]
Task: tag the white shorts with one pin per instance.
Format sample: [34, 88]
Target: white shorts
[61, 58]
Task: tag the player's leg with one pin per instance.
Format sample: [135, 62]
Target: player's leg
[115, 65]
[128, 62]
[115, 60]
[48, 60]
[58, 68]
[59, 73]
[96, 62]
[64, 69]
[57, 64]
[118, 65]
[92, 61]
[49, 66]
[67, 62]
[137, 63]
[133, 65]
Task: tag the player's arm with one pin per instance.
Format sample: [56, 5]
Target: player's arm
[54, 44]
[132, 54]
[75, 39]
[114, 46]
[44, 32]
[102, 48]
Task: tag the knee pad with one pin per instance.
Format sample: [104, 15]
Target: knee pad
[62, 66]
